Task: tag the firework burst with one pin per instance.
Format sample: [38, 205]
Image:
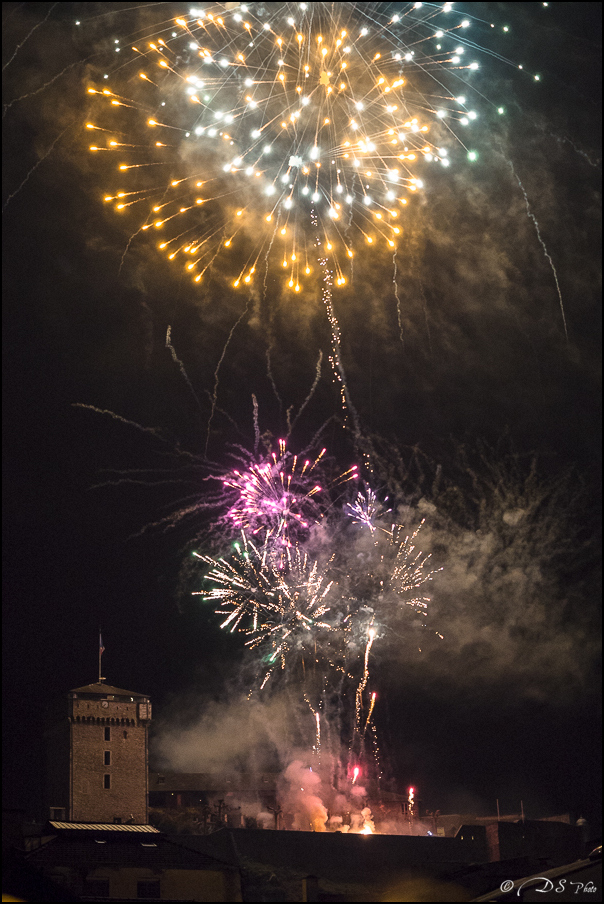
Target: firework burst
[316, 620]
[299, 129]
[365, 509]
[281, 607]
[280, 497]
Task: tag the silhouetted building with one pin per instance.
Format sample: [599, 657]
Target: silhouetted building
[556, 841]
[130, 862]
[178, 789]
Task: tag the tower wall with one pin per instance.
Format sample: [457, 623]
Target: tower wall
[97, 744]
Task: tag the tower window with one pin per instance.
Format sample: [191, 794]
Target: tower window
[106, 782]
[107, 734]
[107, 758]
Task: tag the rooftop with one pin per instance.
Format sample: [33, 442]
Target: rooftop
[100, 827]
[88, 845]
[101, 689]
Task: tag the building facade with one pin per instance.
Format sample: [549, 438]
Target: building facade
[130, 863]
[97, 756]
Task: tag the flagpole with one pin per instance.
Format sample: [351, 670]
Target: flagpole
[101, 648]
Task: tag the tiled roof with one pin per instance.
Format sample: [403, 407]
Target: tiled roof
[104, 690]
[101, 827]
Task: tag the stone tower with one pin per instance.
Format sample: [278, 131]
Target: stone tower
[97, 749]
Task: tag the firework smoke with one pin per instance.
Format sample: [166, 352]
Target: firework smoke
[312, 622]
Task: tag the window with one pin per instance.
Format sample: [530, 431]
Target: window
[96, 888]
[107, 758]
[106, 782]
[148, 889]
[57, 814]
[125, 734]
[107, 734]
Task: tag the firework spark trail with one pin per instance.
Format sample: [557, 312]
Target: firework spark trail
[127, 248]
[398, 301]
[564, 139]
[363, 681]
[425, 310]
[188, 508]
[43, 87]
[34, 168]
[58, 75]
[542, 243]
[317, 718]
[317, 438]
[217, 371]
[123, 420]
[370, 713]
[309, 396]
[256, 425]
[14, 10]
[270, 375]
[336, 357]
[228, 417]
[269, 348]
[180, 366]
[28, 36]
[170, 522]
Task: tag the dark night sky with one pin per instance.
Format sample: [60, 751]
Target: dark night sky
[485, 357]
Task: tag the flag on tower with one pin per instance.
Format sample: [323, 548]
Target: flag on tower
[101, 647]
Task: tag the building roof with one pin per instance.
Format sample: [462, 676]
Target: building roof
[105, 847]
[344, 857]
[100, 827]
[224, 852]
[104, 690]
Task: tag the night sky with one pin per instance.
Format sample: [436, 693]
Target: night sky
[484, 386]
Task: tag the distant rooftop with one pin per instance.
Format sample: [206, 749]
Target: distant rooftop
[215, 781]
[105, 690]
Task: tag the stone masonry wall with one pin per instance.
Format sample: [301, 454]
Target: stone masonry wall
[126, 796]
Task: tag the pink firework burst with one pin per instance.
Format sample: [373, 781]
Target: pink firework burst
[280, 497]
